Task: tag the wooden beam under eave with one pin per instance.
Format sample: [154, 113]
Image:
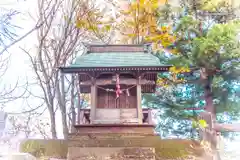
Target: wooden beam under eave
[127, 81]
[227, 127]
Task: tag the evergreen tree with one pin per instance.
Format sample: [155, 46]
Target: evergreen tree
[212, 53]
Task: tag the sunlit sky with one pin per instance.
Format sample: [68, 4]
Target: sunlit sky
[19, 65]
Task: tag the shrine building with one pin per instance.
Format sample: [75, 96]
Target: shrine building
[115, 76]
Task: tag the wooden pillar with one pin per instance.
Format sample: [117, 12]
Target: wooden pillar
[150, 120]
[78, 100]
[93, 101]
[139, 102]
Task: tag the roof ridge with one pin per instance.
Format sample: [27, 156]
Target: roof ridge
[118, 48]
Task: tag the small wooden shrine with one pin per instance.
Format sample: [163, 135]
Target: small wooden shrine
[115, 76]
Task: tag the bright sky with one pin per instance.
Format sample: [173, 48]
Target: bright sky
[19, 64]
[19, 69]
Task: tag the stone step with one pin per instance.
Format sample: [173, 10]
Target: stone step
[120, 153]
[141, 141]
[87, 136]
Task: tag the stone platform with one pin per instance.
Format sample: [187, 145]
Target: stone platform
[128, 142]
[112, 142]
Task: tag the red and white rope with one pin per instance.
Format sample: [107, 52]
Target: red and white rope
[118, 89]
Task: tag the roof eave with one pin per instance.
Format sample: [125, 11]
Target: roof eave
[72, 69]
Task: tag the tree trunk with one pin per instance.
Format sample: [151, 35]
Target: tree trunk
[73, 113]
[64, 124]
[209, 134]
[207, 81]
[209, 97]
[63, 106]
[53, 124]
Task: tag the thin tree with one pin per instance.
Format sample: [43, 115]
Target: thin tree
[59, 40]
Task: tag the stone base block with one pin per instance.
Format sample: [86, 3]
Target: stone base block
[111, 153]
[111, 140]
[115, 128]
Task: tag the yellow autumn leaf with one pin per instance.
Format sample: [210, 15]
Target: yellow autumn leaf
[165, 85]
[173, 51]
[80, 24]
[172, 69]
[139, 20]
[134, 6]
[131, 35]
[202, 123]
[141, 2]
[107, 27]
[154, 4]
[187, 70]
[179, 69]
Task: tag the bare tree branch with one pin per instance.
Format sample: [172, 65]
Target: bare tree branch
[59, 41]
[19, 39]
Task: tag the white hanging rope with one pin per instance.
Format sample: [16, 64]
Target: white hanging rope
[112, 90]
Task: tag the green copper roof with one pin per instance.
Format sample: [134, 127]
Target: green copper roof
[117, 59]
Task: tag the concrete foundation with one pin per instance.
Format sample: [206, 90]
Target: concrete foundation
[111, 142]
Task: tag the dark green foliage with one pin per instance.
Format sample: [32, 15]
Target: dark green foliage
[213, 47]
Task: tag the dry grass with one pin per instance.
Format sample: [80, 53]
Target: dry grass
[165, 149]
[48, 148]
